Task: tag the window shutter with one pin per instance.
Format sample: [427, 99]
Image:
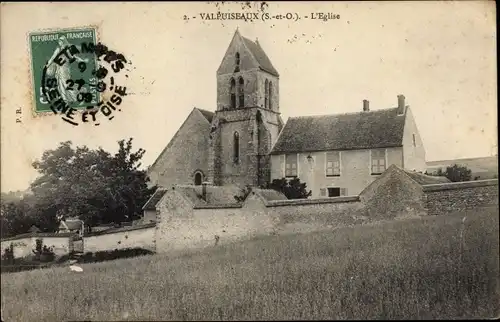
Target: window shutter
[322, 192]
[282, 163]
[343, 191]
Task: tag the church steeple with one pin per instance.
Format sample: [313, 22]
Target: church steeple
[247, 121]
[246, 77]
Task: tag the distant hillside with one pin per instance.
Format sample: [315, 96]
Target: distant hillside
[483, 167]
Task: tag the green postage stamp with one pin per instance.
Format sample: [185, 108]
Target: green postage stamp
[64, 60]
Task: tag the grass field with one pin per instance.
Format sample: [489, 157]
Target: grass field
[413, 269]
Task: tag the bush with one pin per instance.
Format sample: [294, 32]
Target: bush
[292, 189]
[102, 256]
[8, 255]
[43, 253]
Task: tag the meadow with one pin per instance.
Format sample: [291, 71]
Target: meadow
[432, 268]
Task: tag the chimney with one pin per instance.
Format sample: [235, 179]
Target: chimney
[204, 190]
[366, 105]
[401, 104]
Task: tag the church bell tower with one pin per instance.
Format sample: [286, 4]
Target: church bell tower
[247, 120]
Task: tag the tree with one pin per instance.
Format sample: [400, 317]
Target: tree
[92, 185]
[455, 173]
[292, 189]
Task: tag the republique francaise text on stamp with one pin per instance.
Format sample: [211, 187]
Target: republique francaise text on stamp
[73, 73]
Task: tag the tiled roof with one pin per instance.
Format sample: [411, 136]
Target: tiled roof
[155, 198]
[74, 224]
[425, 179]
[217, 195]
[361, 130]
[71, 224]
[207, 114]
[260, 55]
[270, 194]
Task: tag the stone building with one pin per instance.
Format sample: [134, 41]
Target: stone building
[231, 145]
[245, 142]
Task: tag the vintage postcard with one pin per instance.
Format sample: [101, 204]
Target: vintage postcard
[249, 161]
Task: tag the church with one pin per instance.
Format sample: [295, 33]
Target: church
[245, 142]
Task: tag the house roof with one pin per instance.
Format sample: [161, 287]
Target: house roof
[71, 224]
[423, 179]
[34, 229]
[349, 131]
[207, 114]
[261, 57]
[155, 198]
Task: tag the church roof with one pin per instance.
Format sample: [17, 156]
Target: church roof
[349, 131]
[260, 56]
[207, 114]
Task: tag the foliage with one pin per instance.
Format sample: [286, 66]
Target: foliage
[8, 255]
[92, 185]
[43, 253]
[18, 217]
[292, 189]
[414, 269]
[455, 173]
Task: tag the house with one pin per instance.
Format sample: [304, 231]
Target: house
[341, 154]
[245, 142]
[72, 226]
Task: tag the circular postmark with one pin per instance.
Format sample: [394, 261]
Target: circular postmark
[84, 82]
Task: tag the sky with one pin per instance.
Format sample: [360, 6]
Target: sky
[440, 55]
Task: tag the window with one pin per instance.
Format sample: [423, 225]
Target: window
[236, 147]
[241, 93]
[266, 93]
[378, 161]
[333, 164]
[414, 142]
[198, 178]
[291, 165]
[237, 67]
[333, 192]
[233, 93]
[270, 95]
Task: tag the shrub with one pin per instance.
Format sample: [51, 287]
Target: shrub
[43, 253]
[292, 189]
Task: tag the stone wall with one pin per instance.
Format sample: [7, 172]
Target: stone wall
[141, 236]
[62, 244]
[457, 196]
[184, 224]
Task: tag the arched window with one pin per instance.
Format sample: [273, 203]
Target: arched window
[241, 93]
[233, 93]
[237, 67]
[266, 93]
[236, 147]
[270, 95]
[198, 178]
